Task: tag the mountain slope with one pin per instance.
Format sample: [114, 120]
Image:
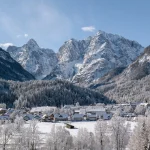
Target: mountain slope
[12, 70]
[82, 62]
[38, 61]
[85, 61]
[141, 67]
[133, 84]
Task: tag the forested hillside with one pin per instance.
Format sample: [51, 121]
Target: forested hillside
[46, 93]
[131, 85]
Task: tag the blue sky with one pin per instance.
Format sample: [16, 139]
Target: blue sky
[52, 22]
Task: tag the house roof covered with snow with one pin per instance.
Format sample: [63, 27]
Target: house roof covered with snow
[42, 109]
[78, 116]
[61, 115]
[96, 110]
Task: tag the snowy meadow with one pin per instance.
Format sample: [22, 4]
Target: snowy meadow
[115, 134]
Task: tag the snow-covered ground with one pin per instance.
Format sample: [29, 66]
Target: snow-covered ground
[45, 127]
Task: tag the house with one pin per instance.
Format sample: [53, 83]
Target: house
[91, 117]
[28, 117]
[146, 105]
[128, 115]
[42, 109]
[76, 111]
[82, 111]
[4, 117]
[45, 118]
[107, 116]
[100, 113]
[61, 117]
[37, 117]
[78, 117]
[3, 110]
[48, 118]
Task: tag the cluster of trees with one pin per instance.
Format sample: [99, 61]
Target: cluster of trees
[140, 138]
[122, 90]
[46, 93]
[115, 134]
[16, 136]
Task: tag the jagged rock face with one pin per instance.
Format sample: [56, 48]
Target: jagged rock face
[85, 61]
[72, 50]
[139, 68]
[129, 85]
[82, 62]
[12, 70]
[38, 61]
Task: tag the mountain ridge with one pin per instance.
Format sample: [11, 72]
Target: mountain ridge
[130, 85]
[38, 61]
[78, 61]
[83, 61]
[12, 70]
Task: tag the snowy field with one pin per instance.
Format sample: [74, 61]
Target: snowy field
[41, 134]
[45, 127]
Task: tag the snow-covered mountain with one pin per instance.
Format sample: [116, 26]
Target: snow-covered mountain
[85, 61]
[139, 68]
[130, 84]
[12, 70]
[38, 61]
[79, 61]
[5, 45]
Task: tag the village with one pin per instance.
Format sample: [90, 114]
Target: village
[47, 124]
[76, 112]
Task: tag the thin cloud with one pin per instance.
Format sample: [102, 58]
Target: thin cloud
[26, 35]
[88, 29]
[21, 36]
[5, 45]
[18, 36]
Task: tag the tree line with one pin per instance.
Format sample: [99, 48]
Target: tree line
[46, 93]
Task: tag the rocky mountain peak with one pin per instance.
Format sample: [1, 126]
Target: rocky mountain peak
[87, 60]
[38, 61]
[147, 50]
[31, 45]
[79, 61]
[100, 32]
[32, 42]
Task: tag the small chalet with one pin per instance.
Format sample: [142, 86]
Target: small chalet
[3, 111]
[146, 105]
[61, 117]
[37, 117]
[78, 117]
[99, 113]
[48, 118]
[28, 117]
[91, 117]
